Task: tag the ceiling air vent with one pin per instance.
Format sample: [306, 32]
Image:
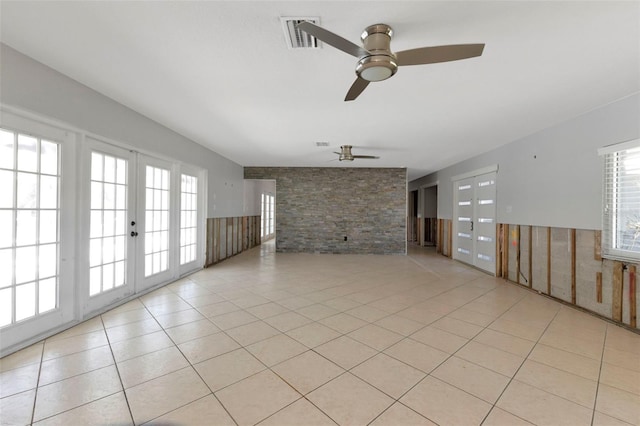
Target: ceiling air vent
[297, 39]
[322, 143]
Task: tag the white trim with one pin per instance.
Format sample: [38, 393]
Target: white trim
[477, 172]
[429, 185]
[610, 149]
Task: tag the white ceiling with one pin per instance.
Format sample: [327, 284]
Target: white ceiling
[220, 73]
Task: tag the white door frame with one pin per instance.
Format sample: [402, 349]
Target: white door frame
[90, 304]
[482, 264]
[74, 227]
[198, 263]
[66, 312]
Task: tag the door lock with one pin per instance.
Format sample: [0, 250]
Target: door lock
[133, 223]
[134, 234]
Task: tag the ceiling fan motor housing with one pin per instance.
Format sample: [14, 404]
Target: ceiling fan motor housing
[345, 154]
[381, 64]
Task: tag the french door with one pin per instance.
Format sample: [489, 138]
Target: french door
[84, 224]
[112, 193]
[37, 213]
[145, 223]
[474, 220]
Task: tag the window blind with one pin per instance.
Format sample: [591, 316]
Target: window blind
[621, 204]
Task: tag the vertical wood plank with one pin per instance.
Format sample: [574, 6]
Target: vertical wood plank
[549, 261]
[218, 242]
[439, 237]
[450, 231]
[530, 256]
[632, 296]
[238, 234]
[207, 245]
[233, 236]
[518, 254]
[599, 287]
[597, 246]
[498, 256]
[229, 237]
[572, 237]
[505, 253]
[245, 233]
[616, 298]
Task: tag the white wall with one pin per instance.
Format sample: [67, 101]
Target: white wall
[551, 178]
[430, 202]
[32, 86]
[253, 190]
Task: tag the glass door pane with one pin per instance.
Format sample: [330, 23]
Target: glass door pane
[157, 260]
[485, 248]
[29, 236]
[108, 223]
[37, 206]
[188, 218]
[463, 219]
[107, 240]
[156, 233]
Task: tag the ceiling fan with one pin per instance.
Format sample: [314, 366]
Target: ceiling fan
[376, 61]
[346, 155]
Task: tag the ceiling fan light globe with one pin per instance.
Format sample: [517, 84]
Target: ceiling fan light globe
[376, 68]
[376, 73]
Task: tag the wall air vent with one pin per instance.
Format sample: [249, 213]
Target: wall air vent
[297, 39]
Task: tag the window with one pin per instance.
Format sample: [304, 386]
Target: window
[268, 212]
[188, 218]
[271, 210]
[263, 217]
[29, 236]
[621, 204]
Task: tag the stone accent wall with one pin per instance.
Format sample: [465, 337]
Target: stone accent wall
[316, 208]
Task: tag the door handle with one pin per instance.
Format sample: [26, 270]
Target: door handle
[472, 225]
[134, 234]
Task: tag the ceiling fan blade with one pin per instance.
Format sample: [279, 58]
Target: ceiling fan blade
[371, 157]
[356, 88]
[339, 153]
[333, 39]
[431, 55]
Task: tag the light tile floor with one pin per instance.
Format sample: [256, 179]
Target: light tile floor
[300, 339]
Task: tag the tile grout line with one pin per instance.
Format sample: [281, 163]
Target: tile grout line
[595, 400]
[115, 364]
[536, 343]
[377, 351]
[389, 314]
[453, 354]
[35, 396]
[516, 372]
[204, 381]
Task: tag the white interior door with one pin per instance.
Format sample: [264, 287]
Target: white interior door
[484, 223]
[464, 236]
[475, 213]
